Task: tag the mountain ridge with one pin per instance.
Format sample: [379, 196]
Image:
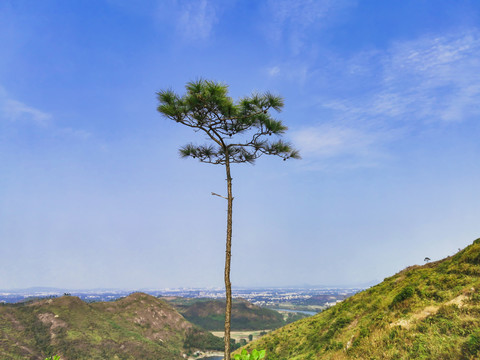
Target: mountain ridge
[422, 312]
[139, 326]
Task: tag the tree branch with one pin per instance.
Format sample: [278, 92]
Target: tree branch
[223, 197]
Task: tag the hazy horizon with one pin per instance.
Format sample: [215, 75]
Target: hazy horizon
[299, 287]
[381, 98]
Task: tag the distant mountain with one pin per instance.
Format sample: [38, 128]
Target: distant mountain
[210, 314]
[423, 312]
[138, 326]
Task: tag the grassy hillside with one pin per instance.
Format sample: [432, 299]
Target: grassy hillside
[210, 314]
[423, 312]
[139, 326]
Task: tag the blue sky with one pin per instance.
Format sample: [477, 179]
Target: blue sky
[382, 99]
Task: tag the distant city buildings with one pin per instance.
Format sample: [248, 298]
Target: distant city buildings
[311, 299]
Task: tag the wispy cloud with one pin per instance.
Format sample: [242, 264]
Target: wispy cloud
[292, 71]
[273, 71]
[410, 86]
[74, 133]
[14, 110]
[292, 20]
[197, 19]
[293, 26]
[431, 79]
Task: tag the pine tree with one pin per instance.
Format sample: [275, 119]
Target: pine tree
[240, 132]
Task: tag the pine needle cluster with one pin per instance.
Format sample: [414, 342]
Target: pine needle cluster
[241, 131]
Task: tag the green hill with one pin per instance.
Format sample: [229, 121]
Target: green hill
[138, 326]
[423, 312]
[210, 314]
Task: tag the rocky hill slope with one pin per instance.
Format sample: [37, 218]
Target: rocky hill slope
[138, 326]
[423, 312]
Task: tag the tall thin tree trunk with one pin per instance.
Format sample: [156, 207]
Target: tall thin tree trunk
[228, 256]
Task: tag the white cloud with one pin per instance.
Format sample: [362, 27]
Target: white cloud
[14, 110]
[197, 19]
[328, 142]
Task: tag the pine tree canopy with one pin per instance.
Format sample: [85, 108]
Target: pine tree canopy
[241, 131]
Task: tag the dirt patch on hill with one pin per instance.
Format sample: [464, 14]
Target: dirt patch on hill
[52, 321]
[429, 311]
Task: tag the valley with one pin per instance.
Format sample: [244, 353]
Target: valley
[422, 312]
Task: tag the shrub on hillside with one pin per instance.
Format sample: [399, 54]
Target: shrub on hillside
[471, 347]
[197, 339]
[406, 293]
